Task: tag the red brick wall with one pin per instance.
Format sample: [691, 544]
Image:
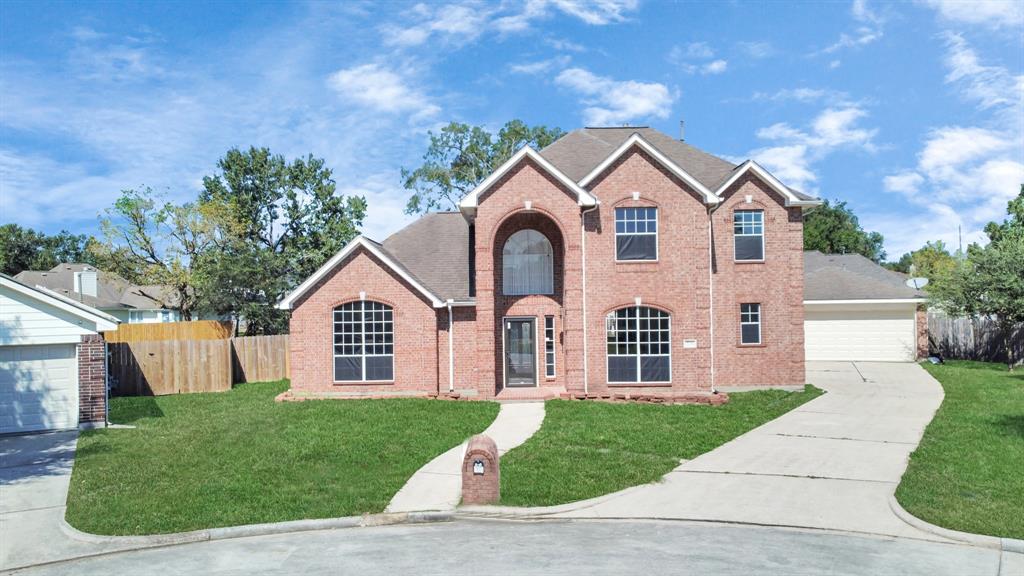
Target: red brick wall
[555, 212]
[92, 379]
[777, 284]
[415, 327]
[677, 282]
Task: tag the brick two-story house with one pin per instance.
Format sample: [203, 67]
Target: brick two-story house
[616, 262]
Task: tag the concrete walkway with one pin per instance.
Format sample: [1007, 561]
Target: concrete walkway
[832, 463]
[438, 484]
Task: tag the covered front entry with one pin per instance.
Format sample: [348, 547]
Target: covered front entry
[520, 342]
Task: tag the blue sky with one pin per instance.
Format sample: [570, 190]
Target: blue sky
[913, 113]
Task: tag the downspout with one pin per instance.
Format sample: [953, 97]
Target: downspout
[451, 348]
[583, 258]
[711, 290]
[106, 384]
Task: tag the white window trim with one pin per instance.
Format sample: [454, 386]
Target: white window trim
[554, 370]
[504, 358]
[758, 324]
[364, 355]
[735, 235]
[638, 381]
[656, 234]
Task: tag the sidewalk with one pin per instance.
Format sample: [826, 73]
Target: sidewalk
[438, 484]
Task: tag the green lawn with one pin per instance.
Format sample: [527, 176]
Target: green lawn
[224, 459]
[968, 472]
[586, 449]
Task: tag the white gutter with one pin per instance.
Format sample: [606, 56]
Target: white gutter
[451, 348]
[711, 290]
[868, 301]
[583, 258]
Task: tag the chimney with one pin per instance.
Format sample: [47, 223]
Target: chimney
[682, 130]
[85, 282]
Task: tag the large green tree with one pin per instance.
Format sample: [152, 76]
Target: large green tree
[26, 249]
[150, 241]
[460, 156]
[833, 228]
[932, 261]
[276, 222]
[990, 281]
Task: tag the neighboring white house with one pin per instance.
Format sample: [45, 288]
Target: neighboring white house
[106, 291]
[855, 309]
[52, 360]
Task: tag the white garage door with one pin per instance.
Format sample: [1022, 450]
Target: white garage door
[38, 388]
[885, 335]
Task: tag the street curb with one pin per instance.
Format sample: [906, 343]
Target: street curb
[211, 534]
[982, 540]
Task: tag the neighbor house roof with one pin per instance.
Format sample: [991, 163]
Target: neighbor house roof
[102, 320]
[831, 277]
[112, 291]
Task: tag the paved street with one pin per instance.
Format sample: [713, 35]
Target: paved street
[551, 547]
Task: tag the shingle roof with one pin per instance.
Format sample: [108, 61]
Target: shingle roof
[580, 151]
[112, 291]
[851, 277]
[435, 250]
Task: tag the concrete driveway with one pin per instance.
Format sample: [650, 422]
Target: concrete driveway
[832, 463]
[35, 471]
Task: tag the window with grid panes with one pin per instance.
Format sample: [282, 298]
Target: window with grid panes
[639, 345]
[364, 342]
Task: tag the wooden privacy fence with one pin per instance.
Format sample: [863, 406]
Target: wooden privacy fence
[260, 358]
[972, 338]
[194, 330]
[155, 368]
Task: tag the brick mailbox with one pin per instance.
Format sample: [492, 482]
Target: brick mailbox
[481, 476]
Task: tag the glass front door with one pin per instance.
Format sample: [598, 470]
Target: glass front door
[520, 352]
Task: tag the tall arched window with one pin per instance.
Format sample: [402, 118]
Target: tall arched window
[364, 348]
[527, 264]
[639, 345]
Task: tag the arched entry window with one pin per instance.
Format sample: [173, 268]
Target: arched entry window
[639, 345]
[527, 264]
[364, 348]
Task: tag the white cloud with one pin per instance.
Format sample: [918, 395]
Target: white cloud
[803, 95]
[989, 86]
[796, 150]
[869, 29]
[907, 183]
[540, 66]
[832, 65]
[756, 50]
[381, 89]
[694, 57]
[965, 174]
[994, 14]
[715, 67]
[565, 45]
[461, 23]
[611, 102]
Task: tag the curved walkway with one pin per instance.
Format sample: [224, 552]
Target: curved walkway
[438, 484]
[832, 463]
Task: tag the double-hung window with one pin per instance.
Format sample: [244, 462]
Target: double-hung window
[364, 348]
[636, 233]
[748, 235]
[639, 345]
[750, 323]
[549, 346]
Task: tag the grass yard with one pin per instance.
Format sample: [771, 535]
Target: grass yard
[586, 449]
[968, 472]
[224, 459]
